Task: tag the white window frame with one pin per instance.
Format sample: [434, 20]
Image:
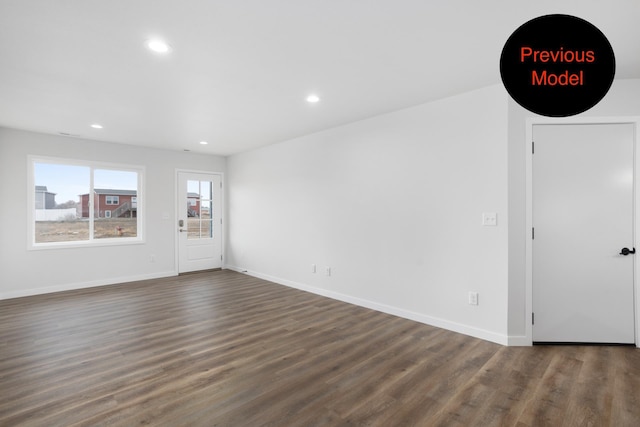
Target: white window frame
[112, 200]
[91, 242]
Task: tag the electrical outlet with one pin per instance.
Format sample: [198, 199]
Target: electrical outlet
[327, 271]
[490, 219]
[473, 298]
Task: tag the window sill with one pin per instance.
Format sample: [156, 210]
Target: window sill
[86, 243]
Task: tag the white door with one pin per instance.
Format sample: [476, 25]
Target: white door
[199, 221]
[583, 217]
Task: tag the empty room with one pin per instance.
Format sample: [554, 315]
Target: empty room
[319, 213]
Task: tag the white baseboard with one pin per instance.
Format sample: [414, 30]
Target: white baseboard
[519, 341]
[406, 314]
[83, 285]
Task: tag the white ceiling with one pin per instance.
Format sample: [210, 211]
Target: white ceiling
[240, 70]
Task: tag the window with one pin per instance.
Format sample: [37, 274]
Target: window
[200, 196]
[84, 203]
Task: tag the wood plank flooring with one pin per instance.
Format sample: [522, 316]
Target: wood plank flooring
[226, 349]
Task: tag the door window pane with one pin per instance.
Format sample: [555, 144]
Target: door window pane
[193, 228]
[208, 229]
[199, 209]
[205, 209]
[205, 190]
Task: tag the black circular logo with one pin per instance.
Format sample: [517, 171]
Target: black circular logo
[557, 65]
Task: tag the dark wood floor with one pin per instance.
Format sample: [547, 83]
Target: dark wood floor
[225, 349]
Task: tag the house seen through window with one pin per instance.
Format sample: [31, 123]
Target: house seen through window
[84, 203]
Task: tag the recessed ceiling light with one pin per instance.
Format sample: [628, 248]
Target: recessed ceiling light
[158, 46]
[96, 126]
[203, 142]
[313, 98]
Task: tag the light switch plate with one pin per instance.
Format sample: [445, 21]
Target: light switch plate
[473, 298]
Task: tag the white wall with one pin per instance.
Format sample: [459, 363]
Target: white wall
[24, 272]
[623, 99]
[393, 205]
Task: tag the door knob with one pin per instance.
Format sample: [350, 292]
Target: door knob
[626, 251]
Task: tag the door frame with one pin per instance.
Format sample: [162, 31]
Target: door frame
[174, 224]
[530, 122]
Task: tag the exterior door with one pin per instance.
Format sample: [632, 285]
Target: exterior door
[199, 221]
[583, 199]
